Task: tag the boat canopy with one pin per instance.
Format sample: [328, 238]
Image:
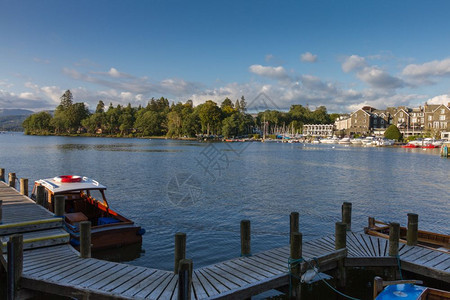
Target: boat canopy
[56, 186]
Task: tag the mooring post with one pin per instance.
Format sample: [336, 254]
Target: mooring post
[413, 226]
[15, 264]
[295, 264]
[60, 202]
[40, 195]
[346, 209]
[24, 186]
[180, 249]
[340, 235]
[394, 236]
[371, 222]
[85, 239]
[340, 241]
[293, 224]
[2, 174]
[12, 180]
[245, 238]
[184, 279]
[377, 286]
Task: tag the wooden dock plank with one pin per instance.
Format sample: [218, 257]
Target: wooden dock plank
[217, 285]
[236, 273]
[160, 288]
[134, 281]
[170, 292]
[98, 281]
[224, 278]
[151, 284]
[199, 291]
[355, 245]
[250, 268]
[205, 284]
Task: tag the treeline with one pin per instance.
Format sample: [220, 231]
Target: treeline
[160, 118]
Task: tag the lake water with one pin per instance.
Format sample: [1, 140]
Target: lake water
[206, 189]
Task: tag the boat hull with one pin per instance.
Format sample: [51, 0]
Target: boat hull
[109, 238]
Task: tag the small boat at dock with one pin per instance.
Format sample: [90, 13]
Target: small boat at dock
[85, 201]
[406, 289]
[409, 145]
[426, 239]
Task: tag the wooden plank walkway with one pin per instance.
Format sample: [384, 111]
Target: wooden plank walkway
[59, 269]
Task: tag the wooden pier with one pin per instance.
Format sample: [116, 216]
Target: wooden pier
[51, 265]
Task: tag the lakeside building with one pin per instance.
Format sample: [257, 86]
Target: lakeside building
[318, 129]
[433, 119]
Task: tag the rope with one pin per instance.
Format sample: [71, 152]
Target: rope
[294, 262]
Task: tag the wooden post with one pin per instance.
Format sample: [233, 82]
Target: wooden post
[40, 195]
[85, 239]
[413, 225]
[371, 222]
[245, 238]
[15, 264]
[340, 235]
[1, 212]
[340, 241]
[12, 180]
[294, 264]
[293, 224]
[377, 286]
[394, 236]
[184, 279]
[346, 209]
[2, 174]
[24, 186]
[180, 249]
[60, 202]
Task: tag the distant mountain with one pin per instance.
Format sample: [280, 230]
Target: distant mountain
[14, 112]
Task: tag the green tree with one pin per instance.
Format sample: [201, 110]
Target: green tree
[74, 115]
[393, 133]
[100, 107]
[66, 100]
[148, 123]
[38, 123]
[210, 116]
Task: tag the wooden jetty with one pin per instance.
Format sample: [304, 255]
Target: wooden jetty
[49, 264]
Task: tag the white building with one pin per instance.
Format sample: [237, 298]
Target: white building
[318, 129]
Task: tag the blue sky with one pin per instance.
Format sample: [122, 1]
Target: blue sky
[341, 54]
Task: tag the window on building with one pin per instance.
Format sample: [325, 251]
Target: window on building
[382, 121]
[414, 120]
[442, 117]
[443, 111]
[422, 120]
[430, 118]
[443, 125]
[435, 124]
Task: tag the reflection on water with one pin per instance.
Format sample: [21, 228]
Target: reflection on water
[264, 183]
[122, 254]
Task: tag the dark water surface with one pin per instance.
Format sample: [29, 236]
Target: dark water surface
[206, 189]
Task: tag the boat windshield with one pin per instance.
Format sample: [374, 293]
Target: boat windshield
[98, 195]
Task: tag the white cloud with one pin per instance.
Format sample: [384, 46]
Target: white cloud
[308, 57]
[429, 69]
[269, 72]
[114, 73]
[441, 99]
[372, 75]
[353, 62]
[378, 78]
